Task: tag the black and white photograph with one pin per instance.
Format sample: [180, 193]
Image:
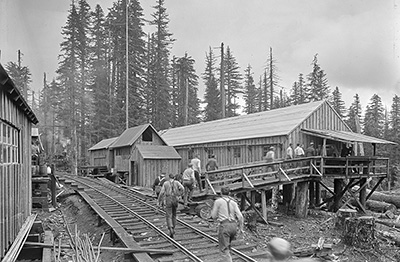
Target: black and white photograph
[199, 130]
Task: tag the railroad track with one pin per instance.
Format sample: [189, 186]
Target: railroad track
[195, 239]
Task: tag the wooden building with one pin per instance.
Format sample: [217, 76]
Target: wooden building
[101, 155]
[142, 154]
[247, 138]
[16, 120]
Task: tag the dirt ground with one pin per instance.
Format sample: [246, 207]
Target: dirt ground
[301, 233]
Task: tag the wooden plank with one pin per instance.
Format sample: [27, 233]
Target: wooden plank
[19, 241]
[117, 228]
[49, 246]
[48, 241]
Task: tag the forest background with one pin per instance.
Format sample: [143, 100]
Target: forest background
[86, 102]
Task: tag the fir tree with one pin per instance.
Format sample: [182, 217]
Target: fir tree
[374, 117]
[186, 99]
[354, 115]
[394, 120]
[20, 75]
[272, 80]
[317, 82]
[250, 92]
[338, 103]
[232, 83]
[212, 96]
[160, 90]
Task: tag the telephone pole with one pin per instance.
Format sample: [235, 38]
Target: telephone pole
[223, 103]
[127, 64]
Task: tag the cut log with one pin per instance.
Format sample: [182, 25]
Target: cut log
[388, 223]
[377, 206]
[392, 236]
[392, 199]
[360, 232]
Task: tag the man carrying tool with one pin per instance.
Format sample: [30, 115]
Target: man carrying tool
[227, 212]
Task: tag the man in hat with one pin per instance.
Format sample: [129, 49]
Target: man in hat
[310, 151]
[227, 213]
[158, 183]
[168, 198]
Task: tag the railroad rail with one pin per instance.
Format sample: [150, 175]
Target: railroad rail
[195, 239]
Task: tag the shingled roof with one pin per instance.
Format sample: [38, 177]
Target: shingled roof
[275, 122]
[103, 144]
[130, 135]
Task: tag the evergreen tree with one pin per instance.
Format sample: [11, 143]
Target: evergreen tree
[186, 99]
[338, 103]
[317, 82]
[374, 117]
[102, 116]
[250, 92]
[20, 75]
[354, 115]
[212, 96]
[68, 74]
[394, 120]
[272, 80]
[160, 90]
[233, 80]
[298, 92]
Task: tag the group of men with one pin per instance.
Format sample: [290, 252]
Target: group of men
[225, 209]
[299, 151]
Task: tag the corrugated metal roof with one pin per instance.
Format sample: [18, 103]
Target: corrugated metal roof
[276, 122]
[158, 152]
[103, 144]
[345, 136]
[130, 135]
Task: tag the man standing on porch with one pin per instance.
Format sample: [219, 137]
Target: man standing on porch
[196, 165]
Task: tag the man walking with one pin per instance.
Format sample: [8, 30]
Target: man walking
[188, 179]
[289, 152]
[298, 151]
[227, 213]
[158, 183]
[168, 198]
[196, 165]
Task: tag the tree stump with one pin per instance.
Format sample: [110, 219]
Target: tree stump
[342, 214]
[359, 232]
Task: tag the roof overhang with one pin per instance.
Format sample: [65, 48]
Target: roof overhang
[345, 136]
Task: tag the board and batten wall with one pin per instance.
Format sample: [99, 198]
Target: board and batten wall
[15, 170]
[253, 150]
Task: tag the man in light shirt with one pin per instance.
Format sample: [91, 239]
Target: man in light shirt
[196, 165]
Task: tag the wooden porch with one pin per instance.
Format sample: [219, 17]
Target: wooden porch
[306, 176]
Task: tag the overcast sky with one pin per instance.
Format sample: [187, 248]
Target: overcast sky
[357, 41]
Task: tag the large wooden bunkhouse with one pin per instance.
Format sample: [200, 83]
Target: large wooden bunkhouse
[247, 138]
[240, 145]
[16, 120]
[140, 154]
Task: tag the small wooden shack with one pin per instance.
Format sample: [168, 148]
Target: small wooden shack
[16, 119]
[142, 154]
[101, 155]
[247, 138]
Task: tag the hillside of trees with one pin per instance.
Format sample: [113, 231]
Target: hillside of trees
[108, 62]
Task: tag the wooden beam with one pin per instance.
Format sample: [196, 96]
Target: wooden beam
[374, 188]
[247, 179]
[264, 204]
[15, 249]
[119, 249]
[283, 172]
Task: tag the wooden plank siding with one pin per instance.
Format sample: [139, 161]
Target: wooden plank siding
[148, 169]
[254, 149]
[15, 170]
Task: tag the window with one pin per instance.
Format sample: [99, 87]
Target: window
[9, 144]
[210, 153]
[236, 152]
[190, 154]
[147, 135]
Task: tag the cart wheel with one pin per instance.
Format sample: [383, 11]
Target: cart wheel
[203, 211]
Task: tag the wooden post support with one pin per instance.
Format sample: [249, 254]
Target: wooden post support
[312, 193]
[243, 201]
[317, 193]
[264, 204]
[338, 186]
[301, 199]
[287, 194]
[363, 192]
[253, 197]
